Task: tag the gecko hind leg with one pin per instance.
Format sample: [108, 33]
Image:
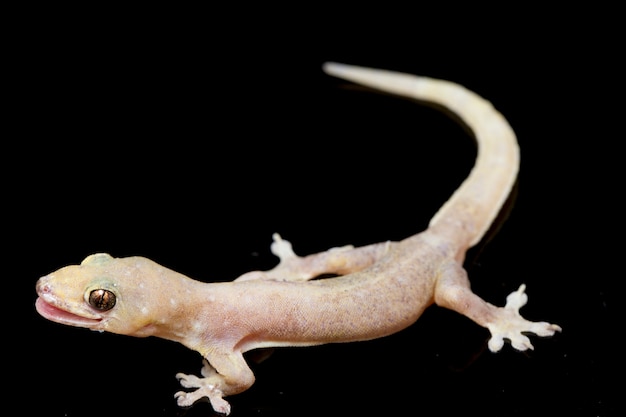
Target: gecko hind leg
[504, 323]
[511, 326]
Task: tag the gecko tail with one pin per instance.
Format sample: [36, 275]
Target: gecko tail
[475, 204]
[384, 80]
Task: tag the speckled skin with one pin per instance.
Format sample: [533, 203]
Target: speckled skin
[382, 288]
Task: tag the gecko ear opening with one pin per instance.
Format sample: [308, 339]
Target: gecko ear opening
[102, 300]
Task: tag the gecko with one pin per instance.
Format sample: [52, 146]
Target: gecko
[369, 292]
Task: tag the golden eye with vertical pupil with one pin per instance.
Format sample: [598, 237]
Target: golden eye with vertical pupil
[102, 300]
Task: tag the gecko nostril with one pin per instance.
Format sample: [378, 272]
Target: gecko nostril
[42, 286]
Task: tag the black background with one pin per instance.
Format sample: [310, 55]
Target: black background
[190, 136]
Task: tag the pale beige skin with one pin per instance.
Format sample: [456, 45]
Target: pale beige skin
[382, 288]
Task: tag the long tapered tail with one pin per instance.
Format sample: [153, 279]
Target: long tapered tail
[475, 204]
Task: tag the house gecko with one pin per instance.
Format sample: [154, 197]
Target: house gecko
[379, 289]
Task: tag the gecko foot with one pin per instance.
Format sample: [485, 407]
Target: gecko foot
[510, 325]
[282, 248]
[206, 387]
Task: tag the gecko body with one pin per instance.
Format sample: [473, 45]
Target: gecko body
[380, 289]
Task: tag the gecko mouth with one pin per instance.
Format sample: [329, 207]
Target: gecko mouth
[59, 315]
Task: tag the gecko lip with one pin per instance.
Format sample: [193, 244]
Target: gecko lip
[59, 315]
[54, 309]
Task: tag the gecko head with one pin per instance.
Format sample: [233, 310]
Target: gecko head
[102, 293]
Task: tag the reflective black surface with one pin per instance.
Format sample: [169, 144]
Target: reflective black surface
[191, 144]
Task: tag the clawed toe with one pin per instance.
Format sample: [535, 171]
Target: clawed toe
[183, 399]
[205, 387]
[511, 326]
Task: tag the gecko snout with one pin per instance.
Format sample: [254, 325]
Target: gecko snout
[42, 286]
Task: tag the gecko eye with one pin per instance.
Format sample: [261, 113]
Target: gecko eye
[102, 300]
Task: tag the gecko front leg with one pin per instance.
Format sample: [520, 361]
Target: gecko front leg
[228, 375]
[342, 260]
